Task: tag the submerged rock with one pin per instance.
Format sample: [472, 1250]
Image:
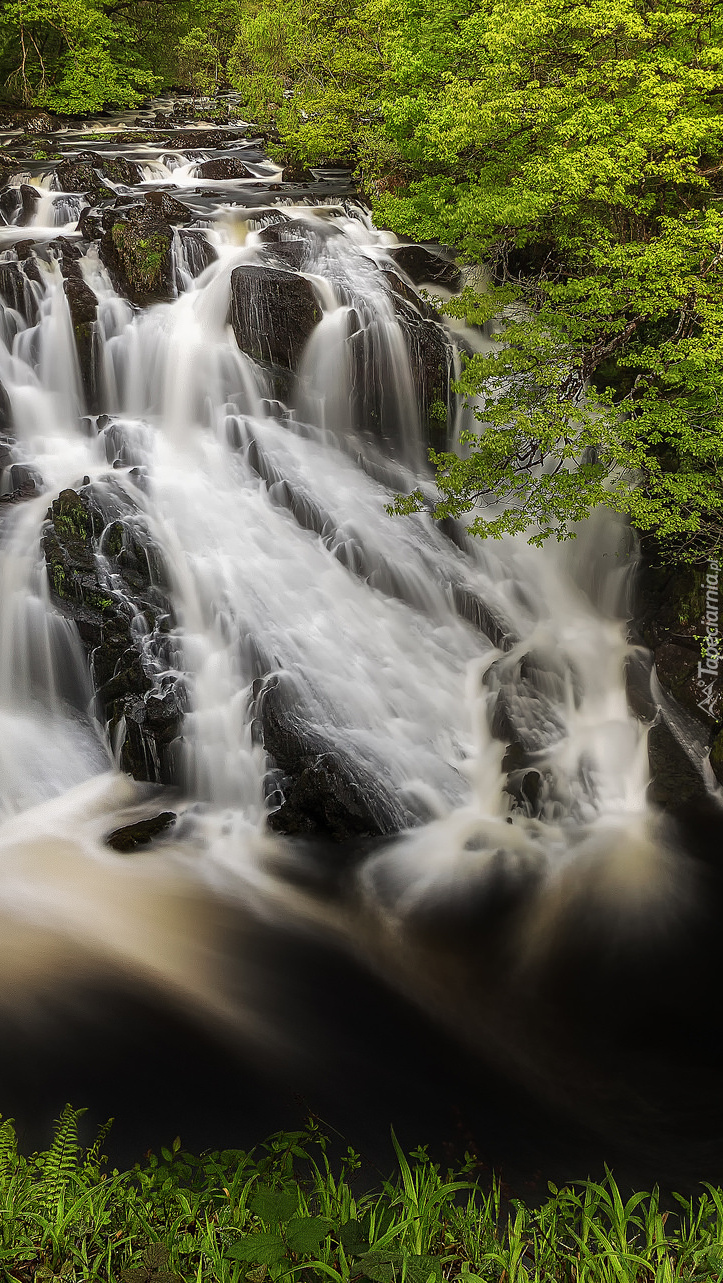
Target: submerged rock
[273, 313]
[316, 787]
[132, 837]
[105, 574]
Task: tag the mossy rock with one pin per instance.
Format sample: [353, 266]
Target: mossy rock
[137, 252]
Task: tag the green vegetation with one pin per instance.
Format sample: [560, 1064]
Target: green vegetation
[79, 56]
[577, 152]
[285, 1211]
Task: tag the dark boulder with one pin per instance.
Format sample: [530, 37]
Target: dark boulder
[273, 313]
[136, 249]
[224, 169]
[421, 264]
[134, 837]
[317, 789]
[87, 171]
[30, 119]
[106, 574]
[17, 204]
[168, 208]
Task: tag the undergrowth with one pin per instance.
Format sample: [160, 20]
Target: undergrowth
[286, 1211]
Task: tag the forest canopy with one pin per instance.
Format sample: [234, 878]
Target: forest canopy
[573, 151]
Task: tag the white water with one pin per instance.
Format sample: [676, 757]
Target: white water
[359, 620]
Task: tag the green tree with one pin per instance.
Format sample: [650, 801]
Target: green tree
[576, 150]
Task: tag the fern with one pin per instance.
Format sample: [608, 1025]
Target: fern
[60, 1163]
[94, 1156]
[8, 1150]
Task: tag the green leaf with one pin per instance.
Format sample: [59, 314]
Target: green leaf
[380, 1266]
[304, 1233]
[275, 1206]
[155, 1256]
[258, 1249]
[420, 1269]
[353, 1239]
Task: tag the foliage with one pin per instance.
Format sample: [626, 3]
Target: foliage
[79, 56]
[577, 151]
[285, 1211]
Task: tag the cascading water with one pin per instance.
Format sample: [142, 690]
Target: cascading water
[466, 701]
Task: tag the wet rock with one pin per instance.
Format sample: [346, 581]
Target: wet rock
[201, 139]
[402, 290]
[526, 717]
[273, 313]
[168, 208]
[224, 169]
[484, 617]
[136, 249]
[10, 201]
[677, 778]
[18, 204]
[677, 616]
[293, 254]
[6, 414]
[87, 171]
[106, 574]
[83, 306]
[526, 787]
[422, 264]
[430, 356]
[29, 197]
[638, 671]
[132, 837]
[198, 251]
[16, 289]
[29, 119]
[318, 789]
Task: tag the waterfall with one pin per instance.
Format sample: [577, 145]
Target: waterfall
[469, 695]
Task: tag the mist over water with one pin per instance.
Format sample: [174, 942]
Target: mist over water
[546, 921]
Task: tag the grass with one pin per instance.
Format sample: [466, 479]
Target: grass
[285, 1211]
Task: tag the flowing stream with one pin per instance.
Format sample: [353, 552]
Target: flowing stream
[479, 686]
